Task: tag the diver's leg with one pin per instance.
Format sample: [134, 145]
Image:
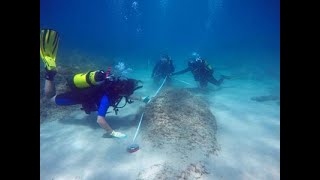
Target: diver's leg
[49, 42]
[66, 99]
[203, 83]
[49, 89]
[169, 81]
[216, 82]
[49, 86]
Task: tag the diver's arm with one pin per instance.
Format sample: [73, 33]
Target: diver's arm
[103, 123]
[102, 111]
[101, 120]
[133, 97]
[139, 98]
[181, 72]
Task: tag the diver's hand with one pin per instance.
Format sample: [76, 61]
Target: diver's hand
[145, 99]
[117, 135]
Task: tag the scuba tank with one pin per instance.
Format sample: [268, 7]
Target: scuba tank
[116, 88]
[85, 85]
[88, 79]
[91, 78]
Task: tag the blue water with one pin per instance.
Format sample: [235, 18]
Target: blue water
[210, 27]
[236, 37]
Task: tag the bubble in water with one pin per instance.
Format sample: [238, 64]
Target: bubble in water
[213, 7]
[135, 5]
[139, 29]
[164, 4]
[120, 69]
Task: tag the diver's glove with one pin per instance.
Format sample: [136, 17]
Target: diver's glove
[49, 75]
[146, 99]
[118, 134]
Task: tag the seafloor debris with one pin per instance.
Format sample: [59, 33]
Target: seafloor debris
[193, 171]
[265, 98]
[165, 171]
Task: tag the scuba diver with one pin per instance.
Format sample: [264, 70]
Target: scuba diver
[94, 90]
[164, 67]
[202, 71]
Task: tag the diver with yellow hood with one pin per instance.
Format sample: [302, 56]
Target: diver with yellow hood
[94, 90]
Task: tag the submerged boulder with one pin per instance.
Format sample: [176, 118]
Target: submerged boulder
[180, 127]
[178, 118]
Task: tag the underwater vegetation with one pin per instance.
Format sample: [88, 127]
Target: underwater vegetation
[163, 171]
[179, 123]
[176, 115]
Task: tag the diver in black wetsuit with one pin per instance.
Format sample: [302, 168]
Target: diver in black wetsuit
[202, 72]
[163, 68]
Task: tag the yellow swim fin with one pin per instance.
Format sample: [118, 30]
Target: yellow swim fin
[49, 41]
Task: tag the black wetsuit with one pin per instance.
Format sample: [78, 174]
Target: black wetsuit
[162, 69]
[202, 72]
[97, 98]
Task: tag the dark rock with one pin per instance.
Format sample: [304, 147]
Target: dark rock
[265, 98]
